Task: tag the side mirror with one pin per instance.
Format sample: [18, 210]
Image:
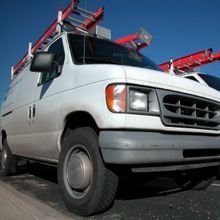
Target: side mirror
[42, 62]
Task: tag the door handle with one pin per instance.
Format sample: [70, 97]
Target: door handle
[34, 111]
[29, 113]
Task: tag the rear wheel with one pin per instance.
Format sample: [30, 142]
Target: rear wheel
[87, 185]
[8, 160]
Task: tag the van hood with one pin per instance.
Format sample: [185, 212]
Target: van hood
[157, 79]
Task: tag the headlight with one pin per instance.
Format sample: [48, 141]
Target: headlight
[121, 98]
[138, 101]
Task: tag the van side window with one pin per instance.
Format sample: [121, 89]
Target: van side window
[192, 78]
[56, 48]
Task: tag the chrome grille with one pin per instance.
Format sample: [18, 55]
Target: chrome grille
[182, 110]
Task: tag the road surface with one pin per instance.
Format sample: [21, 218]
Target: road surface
[154, 200]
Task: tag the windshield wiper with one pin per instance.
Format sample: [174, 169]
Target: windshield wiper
[100, 59]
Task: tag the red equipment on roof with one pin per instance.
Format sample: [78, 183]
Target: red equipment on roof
[138, 40]
[90, 20]
[191, 61]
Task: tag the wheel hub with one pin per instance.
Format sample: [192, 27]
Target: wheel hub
[79, 171]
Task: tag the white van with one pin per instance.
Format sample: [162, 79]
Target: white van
[96, 109]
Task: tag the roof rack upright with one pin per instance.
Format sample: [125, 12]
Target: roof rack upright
[84, 22]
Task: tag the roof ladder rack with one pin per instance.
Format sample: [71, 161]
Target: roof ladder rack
[189, 62]
[86, 22]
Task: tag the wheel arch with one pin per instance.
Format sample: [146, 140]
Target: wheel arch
[76, 120]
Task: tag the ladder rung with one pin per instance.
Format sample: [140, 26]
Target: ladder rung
[54, 34]
[197, 62]
[50, 38]
[43, 45]
[85, 11]
[84, 16]
[76, 25]
[48, 41]
[187, 66]
[82, 30]
[76, 20]
[133, 44]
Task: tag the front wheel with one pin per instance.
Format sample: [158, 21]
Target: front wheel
[87, 186]
[8, 161]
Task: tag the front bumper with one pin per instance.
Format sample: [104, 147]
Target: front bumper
[159, 149]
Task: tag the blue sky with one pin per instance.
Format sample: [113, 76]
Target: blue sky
[178, 27]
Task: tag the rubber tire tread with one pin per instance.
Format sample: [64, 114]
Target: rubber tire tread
[11, 162]
[105, 182]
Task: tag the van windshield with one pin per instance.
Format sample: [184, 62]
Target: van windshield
[212, 81]
[99, 51]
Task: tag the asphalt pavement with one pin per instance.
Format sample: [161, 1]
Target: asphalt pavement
[33, 193]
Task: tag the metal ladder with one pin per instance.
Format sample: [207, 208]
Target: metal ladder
[83, 21]
[136, 41]
[189, 62]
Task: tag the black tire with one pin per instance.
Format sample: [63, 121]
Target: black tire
[99, 192]
[198, 179]
[8, 160]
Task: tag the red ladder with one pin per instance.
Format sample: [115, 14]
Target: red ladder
[136, 41]
[187, 63]
[90, 19]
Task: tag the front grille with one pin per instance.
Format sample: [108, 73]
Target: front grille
[182, 110]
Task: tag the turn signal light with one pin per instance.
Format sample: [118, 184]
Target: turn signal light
[116, 97]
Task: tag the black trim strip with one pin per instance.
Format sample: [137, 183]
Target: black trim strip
[8, 113]
[39, 160]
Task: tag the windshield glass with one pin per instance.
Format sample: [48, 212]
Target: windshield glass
[103, 51]
[212, 81]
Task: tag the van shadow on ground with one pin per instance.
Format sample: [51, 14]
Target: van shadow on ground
[40, 181]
